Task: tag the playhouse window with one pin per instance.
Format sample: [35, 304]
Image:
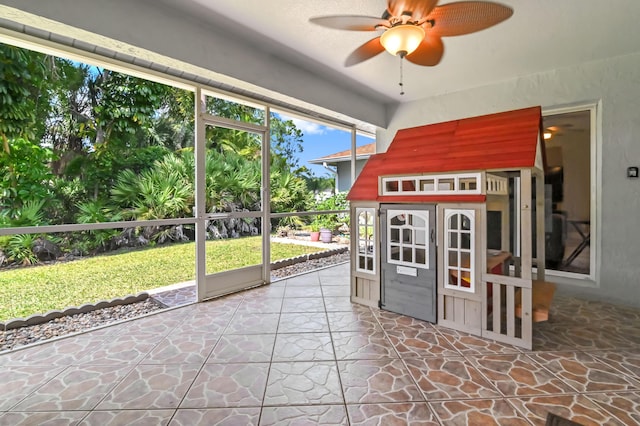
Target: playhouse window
[407, 238]
[464, 183]
[468, 184]
[459, 244]
[427, 185]
[366, 237]
[391, 186]
[447, 184]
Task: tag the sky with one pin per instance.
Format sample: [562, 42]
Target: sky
[319, 141]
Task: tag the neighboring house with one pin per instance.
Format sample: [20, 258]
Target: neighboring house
[340, 164]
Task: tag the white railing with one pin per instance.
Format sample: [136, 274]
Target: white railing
[497, 185]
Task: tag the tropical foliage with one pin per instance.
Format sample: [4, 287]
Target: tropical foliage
[82, 144]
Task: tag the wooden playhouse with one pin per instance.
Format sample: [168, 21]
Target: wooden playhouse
[448, 226]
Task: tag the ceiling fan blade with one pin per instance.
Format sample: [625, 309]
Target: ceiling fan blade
[419, 8]
[350, 22]
[429, 53]
[367, 51]
[467, 17]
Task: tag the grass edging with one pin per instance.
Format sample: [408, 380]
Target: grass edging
[89, 307]
[304, 257]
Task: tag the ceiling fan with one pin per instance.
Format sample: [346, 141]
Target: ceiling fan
[413, 29]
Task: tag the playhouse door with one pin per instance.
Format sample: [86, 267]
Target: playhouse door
[408, 261]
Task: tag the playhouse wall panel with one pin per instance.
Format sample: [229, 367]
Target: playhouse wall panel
[365, 291]
[460, 314]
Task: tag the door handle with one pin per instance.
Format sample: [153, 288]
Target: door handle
[433, 232]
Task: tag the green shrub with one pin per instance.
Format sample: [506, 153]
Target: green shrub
[19, 249]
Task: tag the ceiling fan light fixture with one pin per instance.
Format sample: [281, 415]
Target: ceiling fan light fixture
[402, 39]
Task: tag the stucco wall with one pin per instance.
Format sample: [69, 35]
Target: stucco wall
[615, 84]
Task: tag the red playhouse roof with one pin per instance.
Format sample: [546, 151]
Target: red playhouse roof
[502, 141]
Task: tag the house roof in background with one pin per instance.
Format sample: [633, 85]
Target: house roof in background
[508, 140]
[362, 152]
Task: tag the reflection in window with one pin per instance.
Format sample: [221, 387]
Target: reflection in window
[366, 240]
[459, 237]
[569, 185]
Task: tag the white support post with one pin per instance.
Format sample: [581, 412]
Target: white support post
[266, 198]
[525, 222]
[540, 227]
[526, 257]
[353, 155]
[200, 207]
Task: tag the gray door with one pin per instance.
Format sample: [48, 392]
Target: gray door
[408, 260]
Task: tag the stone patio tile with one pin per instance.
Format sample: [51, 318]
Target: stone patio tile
[241, 348]
[307, 304]
[298, 322]
[478, 412]
[42, 418]
[356, 320]
[377, 381]
[182, 349]
[151, 386]
[360, 345]
[228, 386]
[311, 415]
[216, 416]
[420, 342]
[248, 323]
[518, 375]
[84, 387]
[302, 291]
[624, 406]
[449, 378]
[577, 408]
[128, 417]
[18, 382]
[303, 383]
[584, 372]
[408, 413]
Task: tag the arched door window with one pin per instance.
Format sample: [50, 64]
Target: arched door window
[459, 249]
[366, 240]
[408, 233]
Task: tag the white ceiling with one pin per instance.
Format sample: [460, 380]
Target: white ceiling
[541, 35]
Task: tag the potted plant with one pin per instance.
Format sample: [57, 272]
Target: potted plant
[326, 230]
[315, 230]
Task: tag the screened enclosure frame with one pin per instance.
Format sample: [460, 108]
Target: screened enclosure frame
[202, 119]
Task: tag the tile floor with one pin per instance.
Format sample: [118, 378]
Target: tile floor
[298, 352]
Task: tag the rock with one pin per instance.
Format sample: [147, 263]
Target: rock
[45, 249]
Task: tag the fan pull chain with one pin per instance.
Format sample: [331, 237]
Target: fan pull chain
[401, 76]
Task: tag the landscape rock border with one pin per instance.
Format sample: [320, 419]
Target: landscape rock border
[89, 307]
[305, 257]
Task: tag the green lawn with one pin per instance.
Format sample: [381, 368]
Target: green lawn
[39, 289]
